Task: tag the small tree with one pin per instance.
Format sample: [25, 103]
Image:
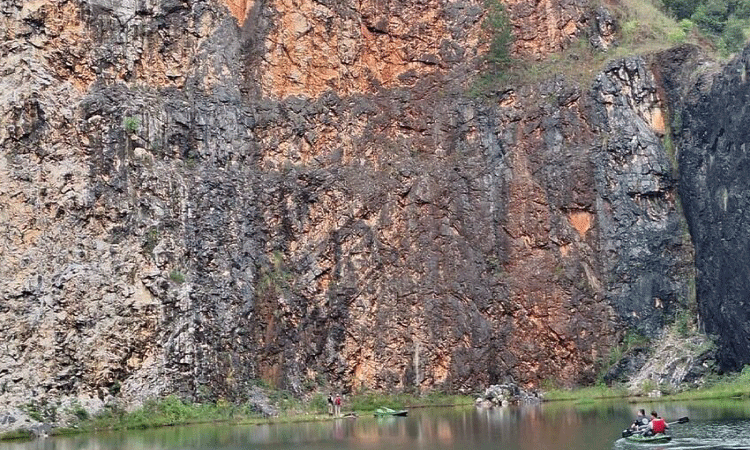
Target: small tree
[682, 9]
[733, 36]
[498, 24]
[712, 16]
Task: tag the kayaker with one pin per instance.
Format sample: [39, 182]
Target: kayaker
[656, 426]
[641, 420]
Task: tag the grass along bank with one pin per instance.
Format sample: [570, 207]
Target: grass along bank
[172, 411]
[727, 386]
[734, 385]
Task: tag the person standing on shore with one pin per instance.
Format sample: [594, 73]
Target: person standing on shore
[337, 406]
[330, 404]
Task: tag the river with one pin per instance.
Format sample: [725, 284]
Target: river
[590, 426]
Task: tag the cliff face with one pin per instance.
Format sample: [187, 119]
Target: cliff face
[713, 177]
[196, 195]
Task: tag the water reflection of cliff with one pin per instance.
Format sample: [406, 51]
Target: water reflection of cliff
[549, 426]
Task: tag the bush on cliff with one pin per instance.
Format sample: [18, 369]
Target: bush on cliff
[499, 32]
[498, 25]
[725, 20]
[733, 36]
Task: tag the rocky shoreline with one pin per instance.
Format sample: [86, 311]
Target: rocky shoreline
[507, 394]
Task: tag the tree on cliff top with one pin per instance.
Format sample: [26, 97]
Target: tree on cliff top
[724, 19]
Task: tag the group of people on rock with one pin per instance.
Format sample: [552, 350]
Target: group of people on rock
[652, 425]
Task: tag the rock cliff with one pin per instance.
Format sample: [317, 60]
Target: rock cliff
[199, 195]
[713, 184]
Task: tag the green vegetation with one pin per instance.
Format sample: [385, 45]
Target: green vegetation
[724, 20]
[41, 411]
[499, 31]
[173, 411]
[728, 386]
[313, 407]
[276, 278]
[586, 394]
[79, 411]
[16, 435]
[131, 124]
[370, 401]
[151, 240]
[685, 324]
[497, 24]
[644, 27]
[734, 385]
[177, 276]
[168, 411]
[630, 341]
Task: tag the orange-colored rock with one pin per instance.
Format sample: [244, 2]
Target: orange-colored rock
[545, 26]
[581, 221]
[239, 9]
[313, 48]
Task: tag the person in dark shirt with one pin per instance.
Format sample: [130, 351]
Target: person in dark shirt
[641, 420]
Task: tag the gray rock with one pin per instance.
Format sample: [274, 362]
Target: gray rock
[714, 189]
[506, 394]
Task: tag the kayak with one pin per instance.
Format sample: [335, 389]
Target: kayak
[380, 412]
[656, 439]
[659, 438]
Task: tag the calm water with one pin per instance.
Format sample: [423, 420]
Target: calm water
[713, 425]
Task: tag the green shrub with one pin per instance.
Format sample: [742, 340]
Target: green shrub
[131, 124]
[712, 16]
[499, 30]
[80, 412]
[318, 403]
[177, 276]
[175, 410]
[676, 37]
[742, 9]
[684, 324]
[733, 35]
[744, 376]
[497, 23]
[151, 240]
[686, 25]
[682, 9]
[274, 278]
[723, 19]
[630, 30]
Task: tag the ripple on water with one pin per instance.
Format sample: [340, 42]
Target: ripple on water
[732, 434]
[725, 435]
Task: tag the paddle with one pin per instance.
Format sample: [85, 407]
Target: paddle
[628, 432]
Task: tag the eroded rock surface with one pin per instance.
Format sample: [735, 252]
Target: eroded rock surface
[192, 200]
[714, 187]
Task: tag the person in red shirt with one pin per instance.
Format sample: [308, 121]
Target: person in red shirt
[657, 425]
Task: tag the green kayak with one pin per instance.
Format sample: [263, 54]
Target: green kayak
[656, 439]
[380, 412]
